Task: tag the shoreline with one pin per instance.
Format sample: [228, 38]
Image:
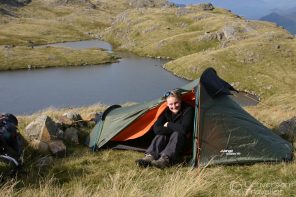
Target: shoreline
[20, 57]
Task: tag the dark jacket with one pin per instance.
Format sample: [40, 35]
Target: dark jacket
[181, 122]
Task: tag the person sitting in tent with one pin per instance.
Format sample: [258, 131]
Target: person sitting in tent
[173, 131]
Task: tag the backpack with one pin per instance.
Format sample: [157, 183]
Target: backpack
[10, 143]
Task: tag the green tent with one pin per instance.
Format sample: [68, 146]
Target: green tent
[224, 133]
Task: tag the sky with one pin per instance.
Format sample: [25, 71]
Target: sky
[250, 9]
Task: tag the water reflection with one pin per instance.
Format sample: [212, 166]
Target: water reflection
[133, 78]
[84, 44]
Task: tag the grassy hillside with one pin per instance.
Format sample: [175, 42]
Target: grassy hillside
[51, 21]
[23, 57]
[254, 56]
[240, 50]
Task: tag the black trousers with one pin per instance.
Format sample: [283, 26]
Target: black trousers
[170, 145]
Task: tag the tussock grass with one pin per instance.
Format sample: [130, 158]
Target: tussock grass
[52, 21]
[260, 58]
[8, 189]
[48, 21]
[253, 68]
[41, 57]
[114, 173]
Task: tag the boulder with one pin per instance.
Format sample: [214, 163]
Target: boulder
[71, 135]
[94, 117]
[39, 146]
[64, 122]
[229, 32]
[206, 6]
[15, 2]
[23, 1]
[43, 129]
[57, 148]
[287, 129]
[74, 118]
[149, 3]
[44, 161]
[60, 134]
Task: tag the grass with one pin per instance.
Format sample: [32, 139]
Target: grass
[259, 57]
[114, 172]
[40, 57]
[43, 22]
[247, 64]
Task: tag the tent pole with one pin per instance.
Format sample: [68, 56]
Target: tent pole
[198, 128]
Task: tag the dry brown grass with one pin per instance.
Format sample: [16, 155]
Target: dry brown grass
[260, 60]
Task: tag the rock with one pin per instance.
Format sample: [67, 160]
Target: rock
[71, 135]
[23, 1]
[58, 148]
[287, 129]
[95, 116]
[220, 36]
[15, 2]
[181, 11]
[209, 36]
[43, 129]
[149, 3]
[60, 134]
[64, 122]
[91, 5]
[229, 32]
[44, 161]
[39, 146]
[206, 6]
[75, 118]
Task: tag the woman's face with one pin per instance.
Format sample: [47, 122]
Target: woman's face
[174, 104]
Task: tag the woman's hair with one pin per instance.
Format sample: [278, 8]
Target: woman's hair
[172, 93]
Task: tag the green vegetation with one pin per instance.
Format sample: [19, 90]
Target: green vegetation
[52, 21]
[255, 56]
[41, 57]
[114, 173]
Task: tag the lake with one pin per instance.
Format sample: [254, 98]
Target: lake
[132, 79]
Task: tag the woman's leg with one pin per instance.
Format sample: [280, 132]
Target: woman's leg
[175, 146]
[157, 145]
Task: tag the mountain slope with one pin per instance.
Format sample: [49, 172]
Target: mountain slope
[286, 21]
[201, 36]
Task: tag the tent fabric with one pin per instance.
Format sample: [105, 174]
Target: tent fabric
[224, 133]
[117, 120]
[214, 85]
[238, 137]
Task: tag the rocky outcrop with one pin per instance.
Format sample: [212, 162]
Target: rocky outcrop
[48, 136]
[287, 129]
[15, 2]
[57, 147]
[43, 129]
[40, 146]
[71, 135]
[73, 118]
[206, 6]
[149, 3]
[88, 3]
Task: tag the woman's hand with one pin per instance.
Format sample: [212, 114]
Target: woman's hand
[166, 124]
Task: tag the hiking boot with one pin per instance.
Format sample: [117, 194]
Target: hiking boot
[162, 162]
[146, 161]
